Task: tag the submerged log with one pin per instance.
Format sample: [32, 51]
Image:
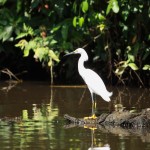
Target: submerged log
[124, 118]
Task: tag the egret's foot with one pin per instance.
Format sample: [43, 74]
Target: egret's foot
[91, 117]
[90, 127]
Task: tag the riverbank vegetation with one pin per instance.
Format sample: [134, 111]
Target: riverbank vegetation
[114, 33]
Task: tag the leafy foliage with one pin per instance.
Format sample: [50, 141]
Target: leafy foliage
[119, 30]
[41, 46]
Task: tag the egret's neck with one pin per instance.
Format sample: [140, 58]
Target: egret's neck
[81, 61]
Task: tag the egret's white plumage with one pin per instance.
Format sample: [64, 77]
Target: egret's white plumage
[91, 78]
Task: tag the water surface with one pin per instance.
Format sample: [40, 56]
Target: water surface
[31, 117]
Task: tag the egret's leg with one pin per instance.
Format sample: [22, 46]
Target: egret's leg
[95, 104]
[93, 107]
[92, 103]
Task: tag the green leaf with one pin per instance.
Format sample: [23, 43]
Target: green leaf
[146, 67]
[109, 7]
[6, 33]
[84, 6]
[41, 52]
[56, 28]
[125, 14]
[64, 31]
[120, 70]
[53, 42]
[115, 6]
[74, 7]
[26, 52]
[131, 57]
[2, 2]
[21, 35]
[28, 46]
[25, 27]
[101, 17]
[74, 21]
[28, 30]
[19, 4]
[53, 55]
[133, 66]
[81, 21]
[25, 114]
[22, 43]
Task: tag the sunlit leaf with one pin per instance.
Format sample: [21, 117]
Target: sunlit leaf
[120, 70]
[74, 21]
[102, 27]
[52, 42]
[56, 28]
[26, 52]
[6, 33]
[30, 45]
[146, 67]
[109, 7]
[2, 2]
[133, 66]
[21, 35]
[125, 64]
[53, 55]
[81, 21]
[84, 6]
[40, 53]
[22, 43]
[115, 6]
[101, 17]
[25, 27]
[125, 14]
[24, 114]
[28, 30]
[131, 57]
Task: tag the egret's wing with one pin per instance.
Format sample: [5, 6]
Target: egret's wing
[96, 84]
[93, 80]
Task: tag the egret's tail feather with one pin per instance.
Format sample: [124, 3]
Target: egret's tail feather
[107, 96]
[107, 99]
[110, 94]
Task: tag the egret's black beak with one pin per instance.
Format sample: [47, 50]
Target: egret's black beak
[69, 53]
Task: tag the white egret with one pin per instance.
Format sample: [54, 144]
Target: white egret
[94, 82]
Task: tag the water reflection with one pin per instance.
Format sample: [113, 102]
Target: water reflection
[97, 145]
[131, 98]
[31, 117]
[30, 131]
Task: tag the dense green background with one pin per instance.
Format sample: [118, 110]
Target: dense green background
[115, 34]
